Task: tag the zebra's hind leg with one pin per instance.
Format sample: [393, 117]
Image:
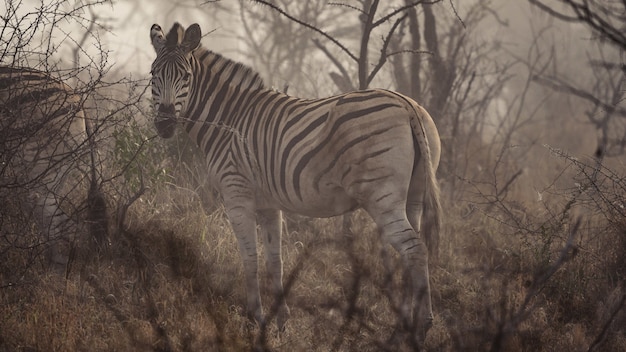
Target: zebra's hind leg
[270, 222]
[395, 228]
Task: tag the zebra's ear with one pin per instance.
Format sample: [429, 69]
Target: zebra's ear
[191, 41]
[157, 37]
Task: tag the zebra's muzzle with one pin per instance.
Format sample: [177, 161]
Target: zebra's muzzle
[165, 126]
[165, 121]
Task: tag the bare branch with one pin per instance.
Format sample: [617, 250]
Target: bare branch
[383, 51]
[348, 6]
[562, 86]
[311, 27]
[344, 73]
[595, 14]
[401, 9]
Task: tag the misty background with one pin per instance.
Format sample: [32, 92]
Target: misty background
[528, 97]
[511, 37]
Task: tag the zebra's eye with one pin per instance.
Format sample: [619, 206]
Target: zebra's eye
[187, 76]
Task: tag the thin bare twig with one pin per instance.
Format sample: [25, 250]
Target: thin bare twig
[337, 63]
[383, 51]
[309, 26]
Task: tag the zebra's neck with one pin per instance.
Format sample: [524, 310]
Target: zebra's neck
[220, 87]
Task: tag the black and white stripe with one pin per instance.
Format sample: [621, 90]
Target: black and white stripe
[267, 151]
[42, 126]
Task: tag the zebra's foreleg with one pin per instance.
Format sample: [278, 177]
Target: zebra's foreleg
[271, 230]
[243, 221]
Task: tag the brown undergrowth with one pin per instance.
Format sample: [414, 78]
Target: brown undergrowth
[549, 280]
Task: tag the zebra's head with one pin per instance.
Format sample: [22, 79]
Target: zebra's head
[171, 73]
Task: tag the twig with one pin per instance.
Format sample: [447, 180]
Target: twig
[605, 328]
[309, 26]
[383, 51]
[401, 9]
[337, 63]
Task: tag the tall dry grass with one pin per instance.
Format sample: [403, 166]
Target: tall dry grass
[511, 276]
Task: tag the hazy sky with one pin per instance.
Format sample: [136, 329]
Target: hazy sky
[129, 22]
[129, 40]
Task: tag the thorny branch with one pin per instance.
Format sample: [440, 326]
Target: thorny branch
[600, 16]
[311, 27]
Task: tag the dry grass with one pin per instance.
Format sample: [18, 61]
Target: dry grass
[172, 281]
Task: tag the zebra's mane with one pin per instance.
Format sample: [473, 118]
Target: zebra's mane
[244, 75]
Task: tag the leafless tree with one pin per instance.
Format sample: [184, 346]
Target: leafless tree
[606, 21]
[63, 41]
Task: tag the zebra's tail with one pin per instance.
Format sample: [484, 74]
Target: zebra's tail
[431, 218]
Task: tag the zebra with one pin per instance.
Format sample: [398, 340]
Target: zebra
[268, 152]
[44, 139]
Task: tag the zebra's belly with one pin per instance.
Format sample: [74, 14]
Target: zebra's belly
[316, 206]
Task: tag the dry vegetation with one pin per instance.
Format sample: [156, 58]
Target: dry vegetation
[509, 277]
[531, 256]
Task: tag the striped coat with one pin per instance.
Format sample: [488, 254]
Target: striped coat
[267, 151]
[42, 128]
